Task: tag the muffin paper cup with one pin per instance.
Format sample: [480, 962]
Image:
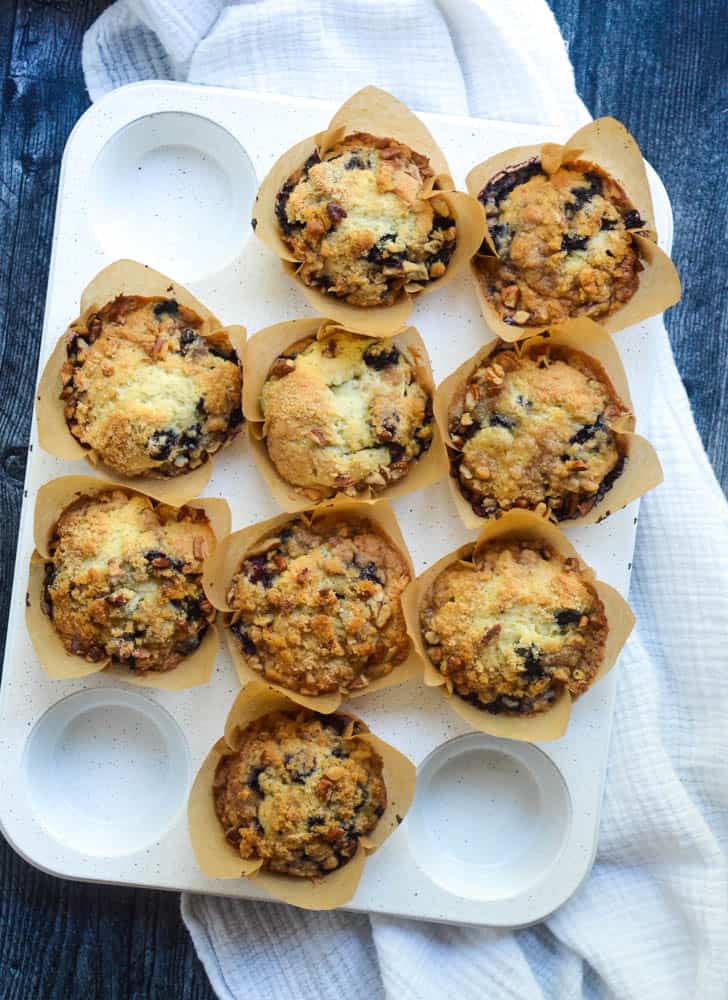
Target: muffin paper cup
[219, 859]
[223, 563]
[264, 348]
[378, 113]
[124, 277]
[606, 143]
[59, 664]
[642, 470]
[549, 725]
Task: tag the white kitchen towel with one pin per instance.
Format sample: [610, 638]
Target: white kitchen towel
[651, 921]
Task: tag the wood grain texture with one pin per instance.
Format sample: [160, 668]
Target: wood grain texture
[658, 65]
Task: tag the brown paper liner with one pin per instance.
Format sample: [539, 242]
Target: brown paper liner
[59, 664]
[550, 725]
[219, 859]
[262, 351]
[642, 470]
[130, 278]
[223, 563]
[606, 143]
[378, 113]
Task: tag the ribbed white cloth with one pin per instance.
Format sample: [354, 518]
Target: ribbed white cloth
[651, 922]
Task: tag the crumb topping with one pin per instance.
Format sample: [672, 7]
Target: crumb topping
[344, 414]
[316, 607]
[512, 630]
[299, 792]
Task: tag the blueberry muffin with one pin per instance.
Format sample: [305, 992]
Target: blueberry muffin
[316, 607]
[344, 414]
[298, 794]
[564, 244]
[357, 221]
[513, 630]
[145, 392]
[123, 580]
[534, 429]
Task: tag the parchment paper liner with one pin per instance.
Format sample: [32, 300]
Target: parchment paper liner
[52, 499]
[130, 278]
[222, 564]
[606, 143]
[548, 725]
[219, 859]
[642, 470]
[378, 113]
[264, 348]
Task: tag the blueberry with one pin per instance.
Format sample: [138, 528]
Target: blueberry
[169, 307]
[370, 572]
[499, 188]
[253, 779]
[161, 443]
[260, 572]
[501, 420]
[379, 356]
[500, 234]
[531, 661]
[236, 417]
[567, 617]
[186, 339]
[396, 451]
[246, 642]
[588, 431]
[632, 220]
[355, 162]
[570, 242]
[608, 224]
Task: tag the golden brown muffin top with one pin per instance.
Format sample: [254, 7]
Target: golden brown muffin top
[344, 414]
[316, 607]
[564, 244]
[512, 630]
[299, 792]
[146, 392]
[124, 580]
[359, 221]
[536, 428]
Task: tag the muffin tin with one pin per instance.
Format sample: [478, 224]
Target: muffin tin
[95, 773]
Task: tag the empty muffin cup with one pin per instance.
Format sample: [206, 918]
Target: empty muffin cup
[490, 817]
[170, 188]
[106, 771]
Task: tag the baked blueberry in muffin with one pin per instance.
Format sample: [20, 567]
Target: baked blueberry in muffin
[514, 629]
[299, 792]
[564, 244]
[316, 606]
[344, 414]
[535, 429]
[358, 221]
[146, 393]
[123, 580]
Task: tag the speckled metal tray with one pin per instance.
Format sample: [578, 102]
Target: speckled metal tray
[95, 774]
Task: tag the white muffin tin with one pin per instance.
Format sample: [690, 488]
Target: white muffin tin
[95, 774]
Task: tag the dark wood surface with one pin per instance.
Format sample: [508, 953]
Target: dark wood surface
[658, 65]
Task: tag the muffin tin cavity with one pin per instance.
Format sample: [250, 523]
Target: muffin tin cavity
[490, 817]
[106, 771]
[171, 189]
